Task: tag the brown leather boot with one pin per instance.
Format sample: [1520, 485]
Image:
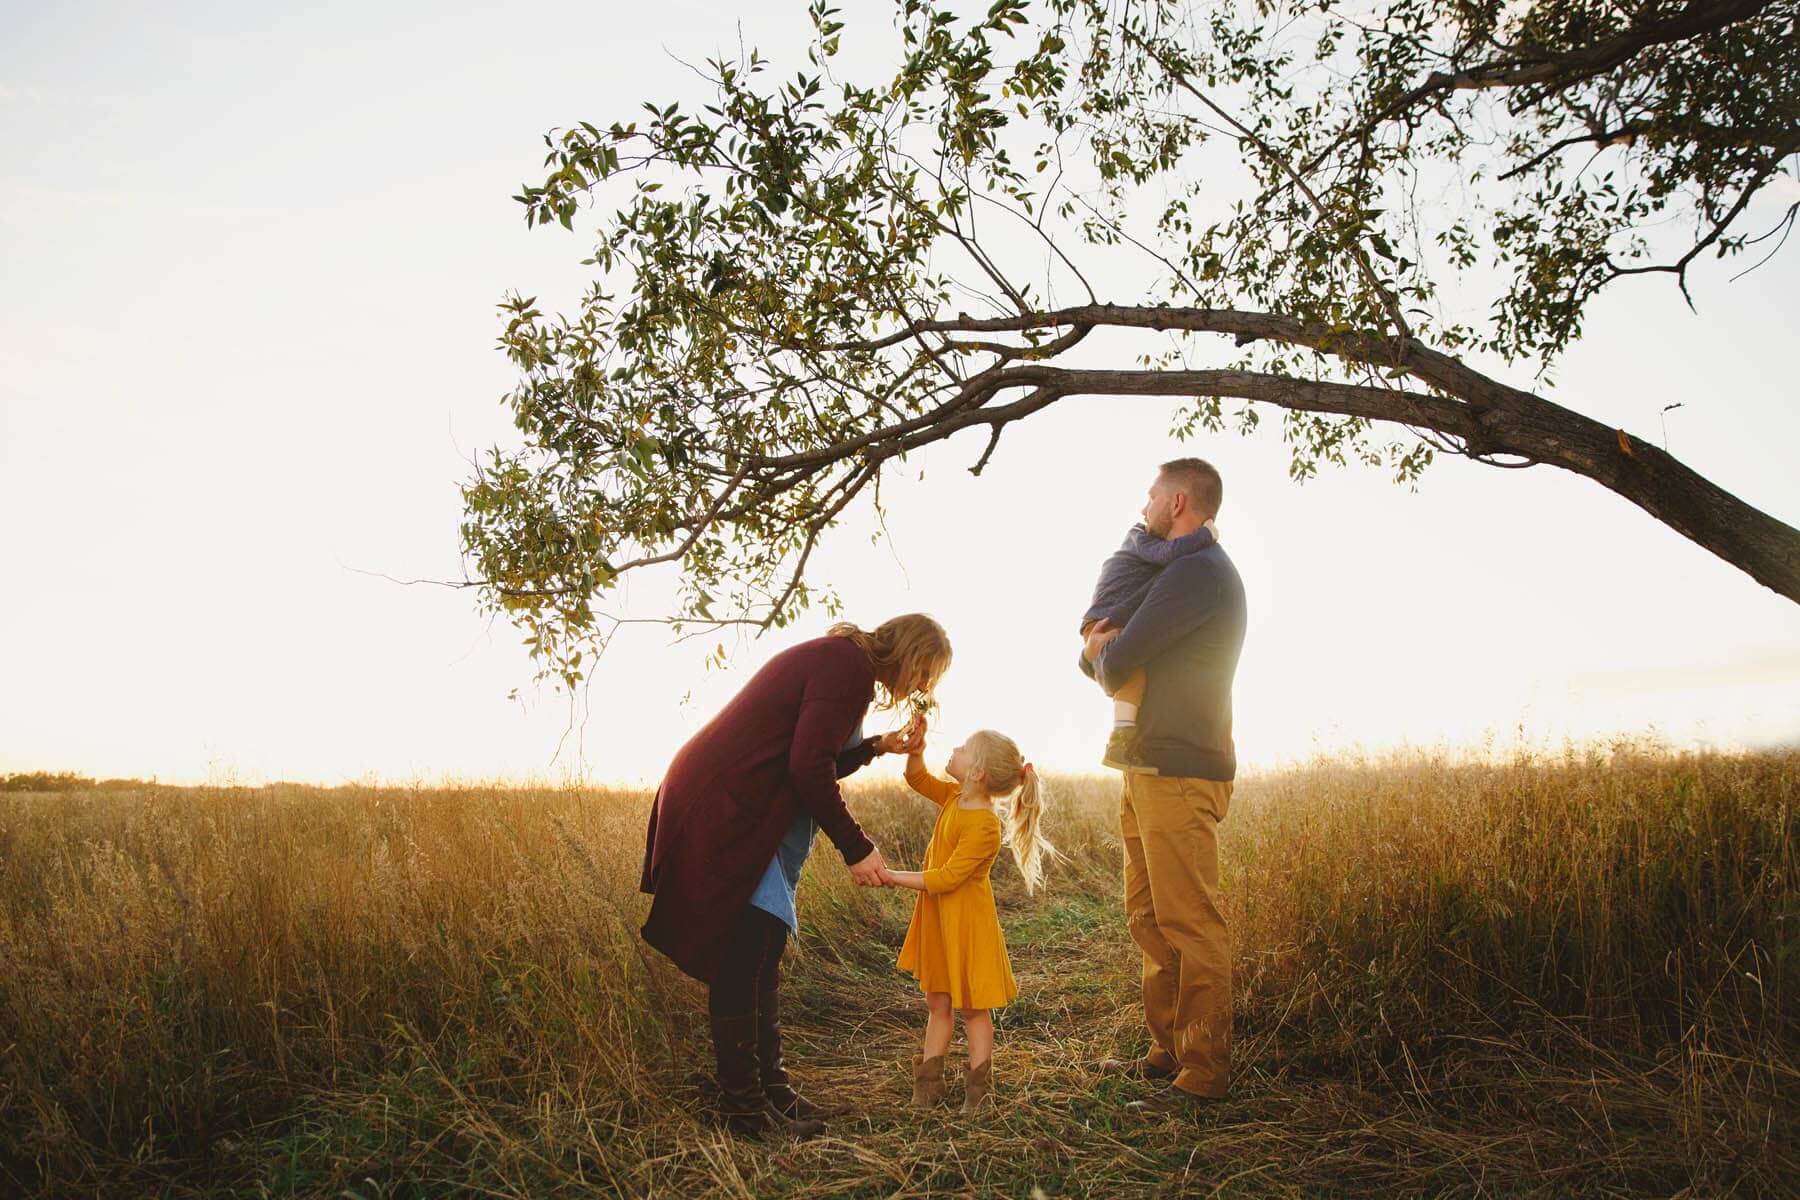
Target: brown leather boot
[928, 1081]
[773, 1069]
[979, 1081]
[742, 1105]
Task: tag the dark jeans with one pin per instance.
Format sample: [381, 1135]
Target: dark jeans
[751, 965]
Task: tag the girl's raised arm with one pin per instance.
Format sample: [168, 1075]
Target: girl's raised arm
[939, 791]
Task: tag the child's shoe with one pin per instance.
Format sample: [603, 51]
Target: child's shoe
[928, 1081]
[980, 1082]
[1124, 752]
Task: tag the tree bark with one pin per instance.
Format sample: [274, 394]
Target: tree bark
[1766, 548]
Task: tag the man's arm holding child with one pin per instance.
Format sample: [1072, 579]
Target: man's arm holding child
[1183, 597]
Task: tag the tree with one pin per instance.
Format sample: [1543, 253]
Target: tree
[1067, 197]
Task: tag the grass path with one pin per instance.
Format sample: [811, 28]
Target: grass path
[1062, 1128]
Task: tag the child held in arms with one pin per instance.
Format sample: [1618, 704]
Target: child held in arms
[1125, 579]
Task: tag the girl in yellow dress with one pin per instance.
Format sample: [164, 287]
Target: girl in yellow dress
[954, 946]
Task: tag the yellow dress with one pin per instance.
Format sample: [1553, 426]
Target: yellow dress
[955, 944]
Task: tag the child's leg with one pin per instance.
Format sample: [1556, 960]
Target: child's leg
[928, 1068]
[939, 1025]
[978, 1028]
[1128, 697]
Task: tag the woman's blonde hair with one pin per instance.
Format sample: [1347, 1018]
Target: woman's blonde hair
[910, 653]
[1006, 771]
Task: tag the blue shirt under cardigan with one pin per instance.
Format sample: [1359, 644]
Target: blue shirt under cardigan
[774, 894]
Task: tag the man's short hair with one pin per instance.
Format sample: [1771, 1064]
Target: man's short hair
[1199, 481]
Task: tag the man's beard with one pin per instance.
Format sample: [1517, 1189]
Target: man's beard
[1159, 527]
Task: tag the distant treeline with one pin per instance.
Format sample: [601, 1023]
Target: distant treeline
[68, 781]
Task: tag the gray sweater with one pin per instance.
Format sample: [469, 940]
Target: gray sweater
[1187, 635]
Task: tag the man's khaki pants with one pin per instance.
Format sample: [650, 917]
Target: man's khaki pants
[1172, 903]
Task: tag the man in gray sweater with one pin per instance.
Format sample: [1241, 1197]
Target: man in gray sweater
[1186, 635]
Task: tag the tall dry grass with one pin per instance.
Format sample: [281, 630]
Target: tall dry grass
[1545, 976]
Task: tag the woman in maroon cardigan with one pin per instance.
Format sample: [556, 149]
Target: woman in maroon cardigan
[733, 822]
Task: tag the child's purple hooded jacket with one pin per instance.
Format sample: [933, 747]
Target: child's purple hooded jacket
[1127, 573]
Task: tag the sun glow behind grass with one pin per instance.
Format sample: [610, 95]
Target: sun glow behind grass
[1539, 974]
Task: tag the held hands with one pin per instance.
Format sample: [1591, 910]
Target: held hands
[889, 877]
[869, 872]
[873, 872]
[910, 880]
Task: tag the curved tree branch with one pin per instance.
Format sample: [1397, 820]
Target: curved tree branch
[1487, 416]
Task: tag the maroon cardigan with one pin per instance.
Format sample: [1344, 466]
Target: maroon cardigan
[735, 788]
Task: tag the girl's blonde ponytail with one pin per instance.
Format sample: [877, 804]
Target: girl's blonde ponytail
[1024, 829]
[1007, 771]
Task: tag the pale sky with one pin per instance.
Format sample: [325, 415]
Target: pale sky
[250, 261]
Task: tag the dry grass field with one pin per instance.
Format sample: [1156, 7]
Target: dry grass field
[1576, 975]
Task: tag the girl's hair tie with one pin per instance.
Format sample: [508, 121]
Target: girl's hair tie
[1025, 770]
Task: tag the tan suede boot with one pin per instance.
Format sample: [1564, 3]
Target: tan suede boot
[980, 1081]
[928, 1081]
